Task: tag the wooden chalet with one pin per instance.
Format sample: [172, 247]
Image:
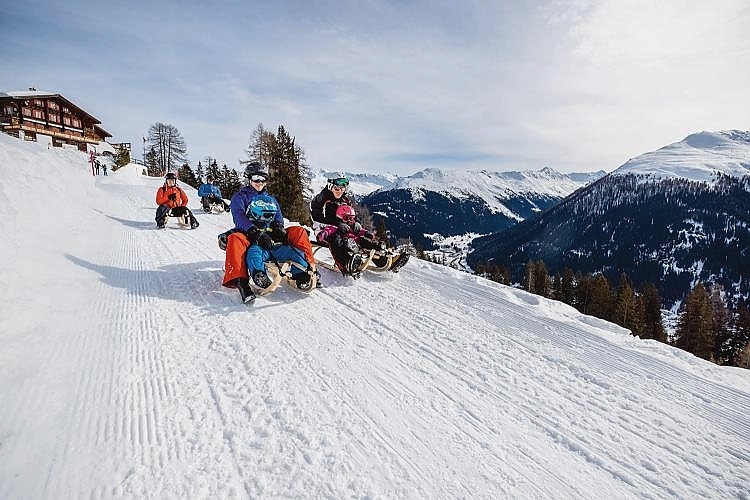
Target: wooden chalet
[31, 112]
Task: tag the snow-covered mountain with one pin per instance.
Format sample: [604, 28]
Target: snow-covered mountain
[127, 372]
[670, 217]
[698, 157]
[456, 202]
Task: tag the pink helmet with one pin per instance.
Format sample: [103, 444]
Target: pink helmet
[346, 213]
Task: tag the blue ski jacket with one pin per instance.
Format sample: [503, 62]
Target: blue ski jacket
[209, 190]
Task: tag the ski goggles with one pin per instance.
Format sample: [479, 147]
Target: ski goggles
[258, 178]
[349, 219]
[341, 182]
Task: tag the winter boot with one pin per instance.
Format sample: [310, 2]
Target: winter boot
[261, 279]
[194, 223]
[246, 293]
[354, 266]
[304, 281]
[400, 262]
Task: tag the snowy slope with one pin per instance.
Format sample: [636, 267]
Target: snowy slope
[127, 372]
[698, 157]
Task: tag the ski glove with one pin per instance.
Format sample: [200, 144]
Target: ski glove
[343, 228]
[356, 228]
[172, 197]
[264, 241]
[279, 234]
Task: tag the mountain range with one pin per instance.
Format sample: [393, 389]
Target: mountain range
[671, 217]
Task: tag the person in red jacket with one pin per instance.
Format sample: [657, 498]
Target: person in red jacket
[172, 202]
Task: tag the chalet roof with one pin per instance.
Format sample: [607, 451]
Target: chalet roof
[22, 94]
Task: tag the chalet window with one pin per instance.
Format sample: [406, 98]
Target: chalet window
[11, 110]
[66, 120]
[53, 105]
[76, 122]
[53, 117]
[26, 111]
[66, 110]
[38, 113]
[38, 102]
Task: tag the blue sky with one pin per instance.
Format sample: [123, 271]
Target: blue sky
[395, 86]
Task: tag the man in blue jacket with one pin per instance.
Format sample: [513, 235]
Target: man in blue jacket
[211, 195]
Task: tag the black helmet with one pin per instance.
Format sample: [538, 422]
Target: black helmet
[255, 168]
[170, 175]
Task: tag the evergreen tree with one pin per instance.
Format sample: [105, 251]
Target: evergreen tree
[234, 184]
[122, 158]
[739, 344]
[601, 298]
[289, 177]
[653, 326]
[199, 173]
[720, 325]
[152, 165]
[214, 171]
[186, 175]
[567, 284]
[695, 327]
[541, 279]
[624, 301]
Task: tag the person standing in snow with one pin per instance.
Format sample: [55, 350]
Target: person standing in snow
[258, 237]
[211, 195]
[172, 202]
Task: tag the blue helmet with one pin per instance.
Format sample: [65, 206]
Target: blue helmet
[262, 209]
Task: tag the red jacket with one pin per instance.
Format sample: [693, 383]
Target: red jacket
[162, 196]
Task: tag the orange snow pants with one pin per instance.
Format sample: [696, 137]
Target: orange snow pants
[298, 238]
[234, 261]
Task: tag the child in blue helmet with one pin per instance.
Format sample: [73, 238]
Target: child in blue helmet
[258, 237]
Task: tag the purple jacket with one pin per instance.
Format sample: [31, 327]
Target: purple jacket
[242, 199]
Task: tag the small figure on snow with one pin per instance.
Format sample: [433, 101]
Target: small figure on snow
[211, 195]
[172, 202]
[259, 237]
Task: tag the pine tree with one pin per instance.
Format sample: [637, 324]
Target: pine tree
[122, 158]
[720, 325]
[567, 285]
[199, 174]
[695, 327]
[152, 165]
[601, 298]
[186, 175]
[541, 279]
[653, 326]
[624, 301]
[739, 352]
[289, 177]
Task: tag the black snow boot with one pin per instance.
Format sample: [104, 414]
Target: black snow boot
[246, 293]
[261, 279]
